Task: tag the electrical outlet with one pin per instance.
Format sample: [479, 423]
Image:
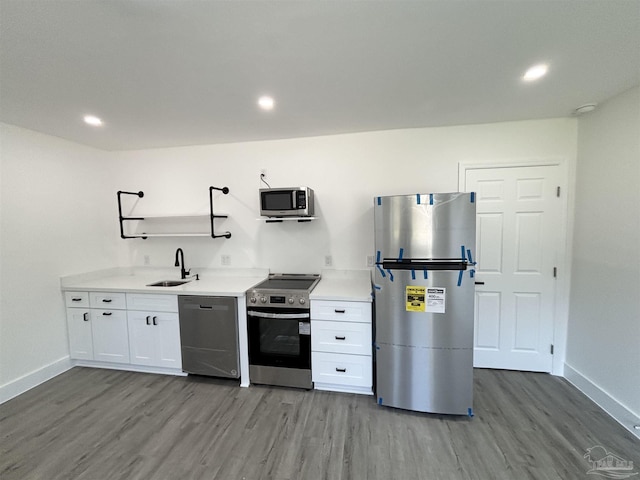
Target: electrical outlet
[369, 260]
[147, 260]
[328, 261]
[226, 259]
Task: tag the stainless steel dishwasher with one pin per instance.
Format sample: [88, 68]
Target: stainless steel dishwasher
[209, 335]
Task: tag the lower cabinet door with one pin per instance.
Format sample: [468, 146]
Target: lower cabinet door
[80, 339]
[154, 339]
[110, 336]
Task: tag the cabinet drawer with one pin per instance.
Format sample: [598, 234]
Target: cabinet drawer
[76, 299]
[341, 337]
[152, 302]
[107, 300]
[341, 311]
[339, 369]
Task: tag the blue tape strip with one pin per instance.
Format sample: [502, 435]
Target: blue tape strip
[400, 254]
[472, 273]
[391, 275]
[380, 401]
[426, 274]
[460, 277]
[378, 256]
[473, 197]
[377, 287]
[379, 200]
[381, 270]
[469, 411]
[469, 255]
[463, 252]
[413, 274]
[418, 198]
[431, 199]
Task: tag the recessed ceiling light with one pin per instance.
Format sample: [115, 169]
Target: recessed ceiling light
[586, 108]
[93, 120]
[535, 72]
[266, 102]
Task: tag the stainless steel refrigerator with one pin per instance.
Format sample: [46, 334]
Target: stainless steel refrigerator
[424, 301]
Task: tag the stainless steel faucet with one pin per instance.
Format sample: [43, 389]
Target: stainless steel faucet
[180, 263]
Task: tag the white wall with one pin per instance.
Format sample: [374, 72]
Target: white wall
[346, 172]
[53, 223]
[603, 351]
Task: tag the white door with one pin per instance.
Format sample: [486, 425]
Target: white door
[142, 348]
[167, 333]
[518, 224]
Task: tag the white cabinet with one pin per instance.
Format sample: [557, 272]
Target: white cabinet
[118, 330]
[154, 330]
[110, 337]
[341, 346]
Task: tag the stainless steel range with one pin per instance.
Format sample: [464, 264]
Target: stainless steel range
[279, 324]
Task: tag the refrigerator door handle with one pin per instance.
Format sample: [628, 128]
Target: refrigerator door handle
[419, 264]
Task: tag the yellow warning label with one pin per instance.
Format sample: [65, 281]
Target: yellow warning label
[415, 299]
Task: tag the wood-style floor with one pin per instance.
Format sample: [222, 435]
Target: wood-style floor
[104, 424]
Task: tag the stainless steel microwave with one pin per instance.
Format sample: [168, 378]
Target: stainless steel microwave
[286, 202]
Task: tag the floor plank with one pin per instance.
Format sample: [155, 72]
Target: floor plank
[106, 424]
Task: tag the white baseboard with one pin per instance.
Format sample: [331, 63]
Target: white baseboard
[619, 412]
[33, 379]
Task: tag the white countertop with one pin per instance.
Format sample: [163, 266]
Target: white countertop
[344, 285]
[224, 282]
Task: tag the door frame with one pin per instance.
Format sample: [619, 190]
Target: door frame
[564, 250]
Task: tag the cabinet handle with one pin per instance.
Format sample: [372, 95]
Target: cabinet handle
[106, 313]
[340, 338]
[341, 370]
[154, 320]
[148, 320]
[85, 316]
[479, 283]
[339, 311]
[106, 300]
[76, 299]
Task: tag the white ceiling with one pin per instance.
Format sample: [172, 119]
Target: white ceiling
[186, 72]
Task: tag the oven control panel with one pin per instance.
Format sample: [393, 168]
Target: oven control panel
[284, 300]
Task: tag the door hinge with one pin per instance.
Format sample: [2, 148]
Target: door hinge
[551, 349]
[558, 192]
[555, 272]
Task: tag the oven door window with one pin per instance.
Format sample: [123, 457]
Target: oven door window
[279, 342]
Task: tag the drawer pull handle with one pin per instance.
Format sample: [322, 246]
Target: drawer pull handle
[76, 299]
[341, 370]
[106, 300]
[85, 317]
[154, 320]
[106, 313]
[340, 338]
[339, 310]
[148, 320]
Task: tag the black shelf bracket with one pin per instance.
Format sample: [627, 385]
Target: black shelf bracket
[224, 190]
[123, 219]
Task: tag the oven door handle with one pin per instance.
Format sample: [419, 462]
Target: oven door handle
[253, 313]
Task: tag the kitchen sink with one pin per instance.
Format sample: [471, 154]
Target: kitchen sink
[168, 283]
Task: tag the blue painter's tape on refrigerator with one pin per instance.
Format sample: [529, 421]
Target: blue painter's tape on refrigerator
[390, 275]
[473, 197]
[426, 274]
[413, 274]
[469, 255]
[472, 273]
[377, 287]
[431, 199]
[400, 253]
[470, 412]
[381, 271]
[380, 401]
[460, 277]
[378, 256]
[379, 200]
[418, 199]
[463, 252]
